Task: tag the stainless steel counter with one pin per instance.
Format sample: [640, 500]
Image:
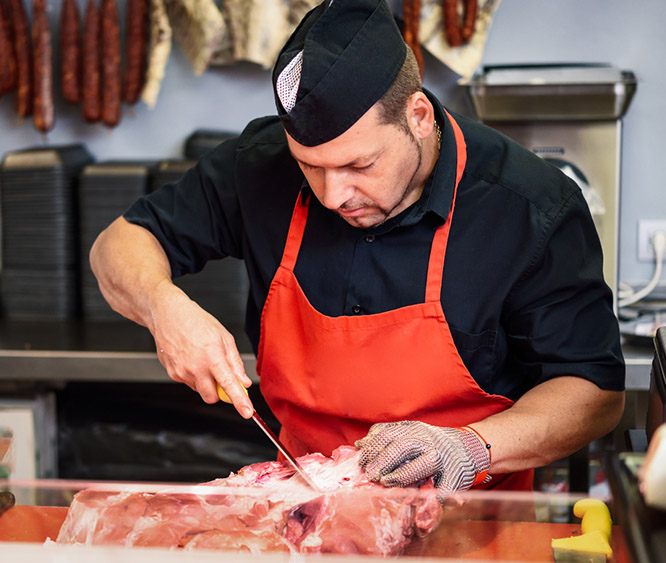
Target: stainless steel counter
[122, 351]
[53, 351]
[66, 366]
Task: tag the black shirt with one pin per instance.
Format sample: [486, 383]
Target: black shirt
[523, 289]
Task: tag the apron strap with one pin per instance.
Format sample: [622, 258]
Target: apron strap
[296, 229]
[438, 248]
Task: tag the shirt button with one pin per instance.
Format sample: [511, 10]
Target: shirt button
[370, 238]
[356, 309]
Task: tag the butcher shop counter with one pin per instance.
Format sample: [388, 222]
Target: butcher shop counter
[52, 351]
[79, 350]
[43, 520]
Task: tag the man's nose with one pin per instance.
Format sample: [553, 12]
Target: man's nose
[337, 189]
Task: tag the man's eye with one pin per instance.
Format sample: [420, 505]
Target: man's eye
[363, 168]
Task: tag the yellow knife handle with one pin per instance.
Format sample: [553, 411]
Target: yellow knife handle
[224, 397]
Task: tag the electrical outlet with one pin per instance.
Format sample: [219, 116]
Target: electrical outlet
[647, 228]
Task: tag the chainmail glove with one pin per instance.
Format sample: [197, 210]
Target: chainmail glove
[406, 452]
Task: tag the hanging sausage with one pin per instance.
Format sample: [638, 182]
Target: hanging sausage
[411, 15]
[7, 57]
[23, 52]
[457, 32]
[90, 68]
[136, 46]
[43, 114]
[111, 64]
[70, 52]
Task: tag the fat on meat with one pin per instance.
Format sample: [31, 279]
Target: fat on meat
[264, 507]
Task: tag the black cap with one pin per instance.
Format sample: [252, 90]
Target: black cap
[349, 53]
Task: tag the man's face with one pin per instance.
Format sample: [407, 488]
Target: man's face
[366, 175]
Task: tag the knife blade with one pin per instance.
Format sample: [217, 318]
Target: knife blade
[276, 442]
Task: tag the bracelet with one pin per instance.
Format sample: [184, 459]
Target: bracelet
[476, 449]
[488, 447]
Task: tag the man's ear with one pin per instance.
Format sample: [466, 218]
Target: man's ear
[420, 115]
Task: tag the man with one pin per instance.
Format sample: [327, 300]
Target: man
[407, 267]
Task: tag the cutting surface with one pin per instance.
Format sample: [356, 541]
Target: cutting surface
[490, 540]
[31, 523]
[487, 540]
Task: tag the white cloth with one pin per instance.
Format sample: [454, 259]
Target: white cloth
[653, 471]
[288, 82]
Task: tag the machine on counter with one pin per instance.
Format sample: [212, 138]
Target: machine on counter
[571, 115]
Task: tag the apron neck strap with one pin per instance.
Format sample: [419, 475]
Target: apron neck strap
[441, 238]
[299, 219]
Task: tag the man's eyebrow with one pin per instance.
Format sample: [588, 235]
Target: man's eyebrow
[302, 162]
[355, 162]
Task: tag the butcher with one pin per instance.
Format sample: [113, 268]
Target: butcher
[420, 285]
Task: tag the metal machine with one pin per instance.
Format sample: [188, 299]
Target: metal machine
[570, 114]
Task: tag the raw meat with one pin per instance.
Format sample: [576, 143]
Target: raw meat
[263, 507]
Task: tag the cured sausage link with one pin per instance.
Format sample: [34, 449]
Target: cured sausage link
[91, 60]
[7, 57]
[457, 34]
[411, 10]
[136, 46]
[70, 52]
[23, 51]
[451, 23]
[470, 20]
[416, 46]
[42, 67]
[111, 64]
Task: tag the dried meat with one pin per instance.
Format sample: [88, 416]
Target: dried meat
[263, 507]
[159, 50]
[199, 28]
[259, 28]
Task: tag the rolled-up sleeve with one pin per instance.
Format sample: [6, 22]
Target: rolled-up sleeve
[559, 317]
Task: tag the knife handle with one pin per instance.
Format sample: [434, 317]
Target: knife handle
[224, 397]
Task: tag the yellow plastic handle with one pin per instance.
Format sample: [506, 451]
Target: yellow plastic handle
[224, 397]
[595, 516]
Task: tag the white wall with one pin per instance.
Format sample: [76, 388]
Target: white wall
[626, 34]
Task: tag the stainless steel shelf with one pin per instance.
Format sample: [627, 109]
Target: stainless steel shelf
[69, 366]
[99, 352]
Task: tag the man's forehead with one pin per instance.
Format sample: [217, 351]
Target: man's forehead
[352, 148]
[324, 156]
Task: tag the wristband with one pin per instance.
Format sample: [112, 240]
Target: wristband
[480, 451]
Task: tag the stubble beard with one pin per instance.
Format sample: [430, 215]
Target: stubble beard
[386, 213]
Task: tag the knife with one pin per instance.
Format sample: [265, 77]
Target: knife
[276, 441]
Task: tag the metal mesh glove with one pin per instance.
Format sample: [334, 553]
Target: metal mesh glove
[403, 453]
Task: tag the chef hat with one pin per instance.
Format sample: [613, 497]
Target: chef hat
[339, 61]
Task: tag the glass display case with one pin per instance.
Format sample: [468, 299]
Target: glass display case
[62, 520]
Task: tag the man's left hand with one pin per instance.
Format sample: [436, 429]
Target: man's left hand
[404, 453]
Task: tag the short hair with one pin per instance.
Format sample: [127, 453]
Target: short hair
[392, 104]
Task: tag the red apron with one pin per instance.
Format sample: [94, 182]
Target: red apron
[328, 379]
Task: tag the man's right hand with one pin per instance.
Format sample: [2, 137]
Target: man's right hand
[135, 278]
[196, 349]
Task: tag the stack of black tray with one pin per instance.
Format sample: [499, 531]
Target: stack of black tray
[106, 190]
[169, 170]
[203, 140]
[40, 253]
